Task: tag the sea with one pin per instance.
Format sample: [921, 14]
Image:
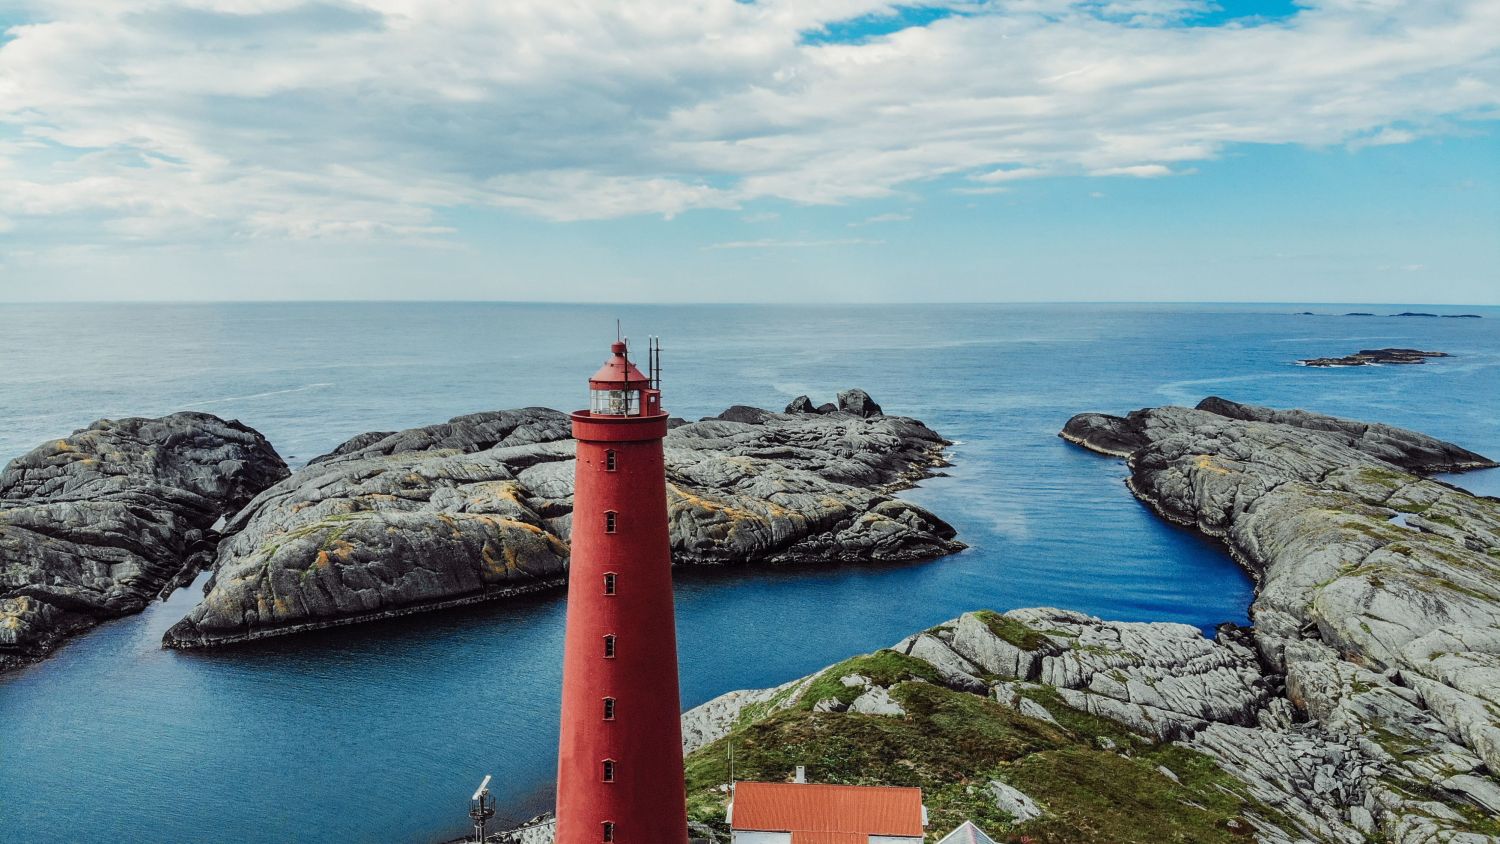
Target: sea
[380, 732]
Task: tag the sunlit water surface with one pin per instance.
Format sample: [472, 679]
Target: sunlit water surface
[379, 733]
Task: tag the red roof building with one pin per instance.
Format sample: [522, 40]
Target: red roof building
[810, 813]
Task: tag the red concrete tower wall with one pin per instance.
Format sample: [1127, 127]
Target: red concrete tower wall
[645, 802]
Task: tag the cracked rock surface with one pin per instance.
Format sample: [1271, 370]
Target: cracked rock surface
[94, 525]
[1378, 602]
[480, 507]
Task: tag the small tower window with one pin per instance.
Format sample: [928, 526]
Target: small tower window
[610, 520]
[609, 831]
[609, 709]
[609, 770]
[610, 463]
[609, 646]
[609, 583]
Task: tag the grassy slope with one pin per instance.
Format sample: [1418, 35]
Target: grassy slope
[952, 744]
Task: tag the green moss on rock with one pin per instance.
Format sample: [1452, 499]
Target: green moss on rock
[1011, 630]
[884, 668]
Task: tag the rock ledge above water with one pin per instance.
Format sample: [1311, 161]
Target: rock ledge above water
[94, 525]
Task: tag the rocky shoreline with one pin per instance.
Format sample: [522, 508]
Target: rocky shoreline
[95, 525]
[1363, 704]
[1378, 594]
[479, 508]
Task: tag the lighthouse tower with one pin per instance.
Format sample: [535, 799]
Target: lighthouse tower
[619, 766]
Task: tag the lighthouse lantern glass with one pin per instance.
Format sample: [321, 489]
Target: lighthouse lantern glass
[615, 402]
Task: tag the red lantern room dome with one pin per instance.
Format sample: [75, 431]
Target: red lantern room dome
[621, 390]
[618, 373]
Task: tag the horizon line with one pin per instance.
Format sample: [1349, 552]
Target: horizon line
[700, 303]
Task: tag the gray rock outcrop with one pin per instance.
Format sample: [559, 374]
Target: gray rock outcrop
[859, 403]
[854, 401]
[1014, 802]
[480, 508]
[1378, 597]
[94, 525]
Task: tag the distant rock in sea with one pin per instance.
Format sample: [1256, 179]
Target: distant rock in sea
[1444, 316]
[1402, 314]
[479, 508]
[1373, 357]
[94, 525]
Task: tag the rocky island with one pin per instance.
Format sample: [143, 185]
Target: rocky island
[94, 525]
[1378, 599]
[1374, 357]
[479, 508]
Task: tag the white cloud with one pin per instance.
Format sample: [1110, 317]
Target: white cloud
[1010, 174]
[212, 120]
[768, 243]
[1139, 171]
[881, 218]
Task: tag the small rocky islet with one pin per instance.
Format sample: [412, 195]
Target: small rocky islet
[392, 523]
[1363, 703]
[1376, 357]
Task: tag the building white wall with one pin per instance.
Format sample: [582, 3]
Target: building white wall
[747, 837]
[740, 836]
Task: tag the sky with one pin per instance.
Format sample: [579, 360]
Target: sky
[753, 151]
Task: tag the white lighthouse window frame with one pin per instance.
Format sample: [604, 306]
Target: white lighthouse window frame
[608, 770]
[611, 521]
[615, 402]
[611, 460]
[611, 583]
[610, 648]
[608, 832]
[609, 709]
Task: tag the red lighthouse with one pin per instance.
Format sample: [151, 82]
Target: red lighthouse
[619, 765]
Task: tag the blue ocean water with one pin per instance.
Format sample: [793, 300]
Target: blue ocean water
[379, 733]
